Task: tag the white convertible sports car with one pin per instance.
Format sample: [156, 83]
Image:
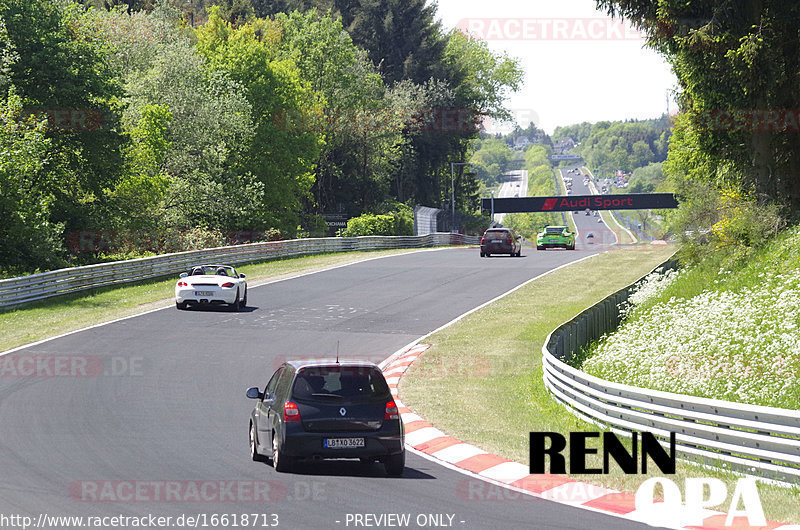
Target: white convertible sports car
[211, 284]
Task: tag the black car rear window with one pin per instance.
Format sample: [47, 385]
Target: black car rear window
[349, 384]
[497, 234]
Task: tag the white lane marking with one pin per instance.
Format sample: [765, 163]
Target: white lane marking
[396, 356]
[420, 436]
[576, 493]
[457, 453]
[507, 472]
[408, 417]
[470, 474]
[171, 304]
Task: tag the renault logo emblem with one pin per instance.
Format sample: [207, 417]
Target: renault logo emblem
[342, 411]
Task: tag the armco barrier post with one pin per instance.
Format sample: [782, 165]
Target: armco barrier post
[558, 345]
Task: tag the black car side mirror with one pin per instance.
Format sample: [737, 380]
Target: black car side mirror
[254, 393]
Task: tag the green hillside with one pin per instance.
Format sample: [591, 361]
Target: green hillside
[722, 328]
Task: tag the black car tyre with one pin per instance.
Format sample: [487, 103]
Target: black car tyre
[281, 462]
[254, 454]
[236, 305]
[395, 464]
[181, 305]
[539, 248]
[483, 254]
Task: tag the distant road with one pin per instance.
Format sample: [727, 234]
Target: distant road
[592, 231]
[517, 186]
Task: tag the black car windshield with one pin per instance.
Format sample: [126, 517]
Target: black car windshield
[340, 384]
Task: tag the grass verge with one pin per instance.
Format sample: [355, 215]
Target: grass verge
[49, 318]
[481, 382]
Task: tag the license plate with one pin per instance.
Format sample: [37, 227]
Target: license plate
[204, 293]
[342, 443]
[497, 240]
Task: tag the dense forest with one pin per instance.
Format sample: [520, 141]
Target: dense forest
[610, 146]
[151, 126]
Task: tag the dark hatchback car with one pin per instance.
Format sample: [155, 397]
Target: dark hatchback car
[327, 409]
[501, 241]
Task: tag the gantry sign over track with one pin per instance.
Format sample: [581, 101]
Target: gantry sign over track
[565, 203]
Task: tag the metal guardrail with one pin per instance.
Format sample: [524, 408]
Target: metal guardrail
[25, 289]
[756, 440]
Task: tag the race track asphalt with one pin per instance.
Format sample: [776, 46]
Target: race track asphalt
[117, 418]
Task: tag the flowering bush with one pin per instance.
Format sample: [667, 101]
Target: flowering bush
[651, 286]
[738, 340]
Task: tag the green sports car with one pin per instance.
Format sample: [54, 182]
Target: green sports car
[555, 236]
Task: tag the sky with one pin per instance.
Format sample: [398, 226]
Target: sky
[580, 65]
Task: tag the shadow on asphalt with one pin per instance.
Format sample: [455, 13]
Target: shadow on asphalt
[349, 468]
[216, 308]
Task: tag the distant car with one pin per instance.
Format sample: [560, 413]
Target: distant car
[588, 211]
[501, 241]
[555, 237]
[599, 220]
[211, 285]
[596, 213]
[327, 409]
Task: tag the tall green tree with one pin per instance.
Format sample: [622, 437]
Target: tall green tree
[738, 65]
[281, 154]
[403, 38]
[62, 72]
[352, 171]
[30, 239]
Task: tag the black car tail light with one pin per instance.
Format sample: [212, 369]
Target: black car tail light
[290, 412]
[391, 411]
